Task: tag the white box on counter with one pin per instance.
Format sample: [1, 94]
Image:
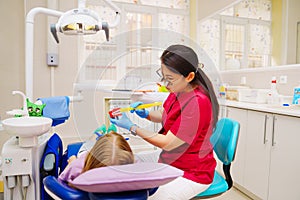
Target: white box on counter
[244, 94]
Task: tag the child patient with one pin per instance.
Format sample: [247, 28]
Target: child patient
[110, 149]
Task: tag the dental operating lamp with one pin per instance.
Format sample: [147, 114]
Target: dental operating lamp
[83, 21]
[79, 21]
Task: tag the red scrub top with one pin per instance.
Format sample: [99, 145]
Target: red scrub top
[189, 117]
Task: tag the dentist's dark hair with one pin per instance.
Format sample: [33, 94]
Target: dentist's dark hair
[183, 60]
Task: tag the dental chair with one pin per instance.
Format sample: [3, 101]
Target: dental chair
[224, 140]
[58, 189]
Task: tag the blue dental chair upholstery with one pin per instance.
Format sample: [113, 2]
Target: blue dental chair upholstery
[61, 190]
[224, 140]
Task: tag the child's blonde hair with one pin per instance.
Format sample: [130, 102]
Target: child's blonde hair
[110, 149]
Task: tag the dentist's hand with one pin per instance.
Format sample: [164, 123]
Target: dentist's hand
[143, 113]
[123, 122]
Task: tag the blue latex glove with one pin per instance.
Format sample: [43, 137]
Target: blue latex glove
[123, 122]
[143, 113]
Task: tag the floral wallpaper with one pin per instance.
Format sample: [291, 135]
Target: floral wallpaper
[233, 29]
[210, 39]
[254, 9]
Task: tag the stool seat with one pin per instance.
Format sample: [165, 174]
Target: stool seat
[224, 140]
[218, 186]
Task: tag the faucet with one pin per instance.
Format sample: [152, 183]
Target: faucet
[24, 112]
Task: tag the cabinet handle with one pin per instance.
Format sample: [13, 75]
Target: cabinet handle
[265, 129]
[273, 131]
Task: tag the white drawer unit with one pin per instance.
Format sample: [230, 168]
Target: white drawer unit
[267, 159]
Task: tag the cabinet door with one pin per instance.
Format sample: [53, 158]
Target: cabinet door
[285, 159]
[238, 165]
[258, 150]
[222, 111]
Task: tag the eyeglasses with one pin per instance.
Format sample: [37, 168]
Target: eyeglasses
[165, 81]
[158, 72]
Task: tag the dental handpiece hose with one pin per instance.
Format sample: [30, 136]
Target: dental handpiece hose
[11, 184]
[25, 185]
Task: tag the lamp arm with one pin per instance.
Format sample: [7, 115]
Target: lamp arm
[116, 22]
[105, 27]
[54, 32]
[113, 6]
[118, 13]
[31, 14]
[29, 38]
[81, 3]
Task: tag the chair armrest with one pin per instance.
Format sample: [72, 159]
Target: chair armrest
[62, 190]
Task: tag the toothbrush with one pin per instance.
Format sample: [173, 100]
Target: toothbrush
[141, 106]
[117, 111]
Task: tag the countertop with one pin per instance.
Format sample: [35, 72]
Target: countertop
[292, 110]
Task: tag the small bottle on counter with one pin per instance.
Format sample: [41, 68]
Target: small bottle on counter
[223, 90]
[296, 97]
[273, 96]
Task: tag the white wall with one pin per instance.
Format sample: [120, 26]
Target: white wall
[261, 78]
[11, 55]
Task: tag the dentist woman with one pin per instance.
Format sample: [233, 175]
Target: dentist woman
[188, 118]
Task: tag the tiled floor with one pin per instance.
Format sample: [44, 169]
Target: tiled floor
[232, 194]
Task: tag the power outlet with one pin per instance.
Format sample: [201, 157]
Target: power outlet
[52, 59]
[283, 79]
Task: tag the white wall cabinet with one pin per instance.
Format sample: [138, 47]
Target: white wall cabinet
[267, 159]
[257, 165]
[284, 180]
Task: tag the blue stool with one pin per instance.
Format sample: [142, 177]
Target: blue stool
[224, 140]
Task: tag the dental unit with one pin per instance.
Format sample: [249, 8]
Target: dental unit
[22, 153]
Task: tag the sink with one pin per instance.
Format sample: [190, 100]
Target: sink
[27, 128]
